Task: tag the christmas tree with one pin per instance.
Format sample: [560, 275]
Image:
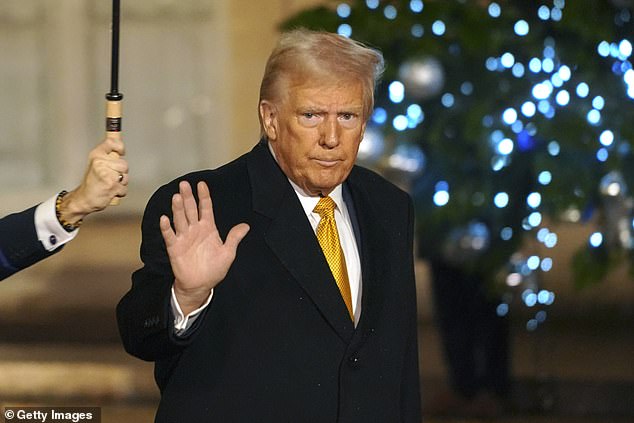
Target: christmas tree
[501, 117]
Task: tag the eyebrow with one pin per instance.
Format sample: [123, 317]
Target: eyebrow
[319, 109]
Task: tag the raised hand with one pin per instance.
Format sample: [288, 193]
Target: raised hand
[199, 257]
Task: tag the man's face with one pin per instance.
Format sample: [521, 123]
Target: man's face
[315, 133]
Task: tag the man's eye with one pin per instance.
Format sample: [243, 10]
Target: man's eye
[348, 120]
[309, 119]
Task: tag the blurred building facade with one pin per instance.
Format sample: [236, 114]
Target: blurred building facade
[189, 72]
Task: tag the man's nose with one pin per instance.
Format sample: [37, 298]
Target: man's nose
[330, 132]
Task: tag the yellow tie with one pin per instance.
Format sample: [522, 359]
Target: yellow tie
[328, 238]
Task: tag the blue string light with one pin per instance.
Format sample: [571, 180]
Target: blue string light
[596, 239]
[416, 6]
[396, 91]
[390, 12]
[546, 266]
[343, 10]
[521, 28]
[518, 70]
[438, 27]
[528, 109]
[379, 116]
[501, 200]
[556, 14]
[344, 30]
[544, 177]
[417, 30]
[506, 233]
[550, 241]
[372, 4]
[583, 90]
[606, 138]
[494, 10]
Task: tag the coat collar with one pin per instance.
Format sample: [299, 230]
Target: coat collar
[268, 182]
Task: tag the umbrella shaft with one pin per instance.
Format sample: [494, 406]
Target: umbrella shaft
[114, 64]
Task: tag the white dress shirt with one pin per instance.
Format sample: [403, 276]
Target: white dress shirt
[49, 231]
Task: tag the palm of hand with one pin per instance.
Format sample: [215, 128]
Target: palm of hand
[198, 256]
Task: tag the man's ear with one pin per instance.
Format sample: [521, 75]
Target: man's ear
[268, 116]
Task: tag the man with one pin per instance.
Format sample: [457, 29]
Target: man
[40, 231]
[267, 327]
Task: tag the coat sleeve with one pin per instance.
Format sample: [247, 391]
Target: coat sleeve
[144, 315]
[19, 245]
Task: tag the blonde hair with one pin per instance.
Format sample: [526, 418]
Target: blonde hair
[301, 53]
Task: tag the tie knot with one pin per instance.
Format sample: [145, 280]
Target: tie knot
[325, 207]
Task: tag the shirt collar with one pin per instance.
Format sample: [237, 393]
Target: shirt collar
[309, 202]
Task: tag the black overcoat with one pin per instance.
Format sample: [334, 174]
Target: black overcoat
[276, 343]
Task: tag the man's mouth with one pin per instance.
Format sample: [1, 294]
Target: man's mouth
[327, 162]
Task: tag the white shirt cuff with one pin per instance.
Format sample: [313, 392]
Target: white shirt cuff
[49, 231]
[182, 322]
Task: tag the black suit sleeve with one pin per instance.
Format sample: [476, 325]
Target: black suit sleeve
[19, 245]
[144, 314]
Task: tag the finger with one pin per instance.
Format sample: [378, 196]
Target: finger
[112, 170]
[122, 191]
[189, 202]
[236, 235]
[112, 145]
[119, 170]
[178, 211]
[107, 169]
[119, 187]
[205, 205]
[123, 179]
[100, 178]
[121, 194]
[116, 164]
[113, 155]
[107, 149]
[166, 230]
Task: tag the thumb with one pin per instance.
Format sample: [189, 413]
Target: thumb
[236, 234]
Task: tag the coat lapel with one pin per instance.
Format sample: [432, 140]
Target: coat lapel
[370, 239]
[292, 240]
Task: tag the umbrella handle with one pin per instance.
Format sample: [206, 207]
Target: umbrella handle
[113, 126]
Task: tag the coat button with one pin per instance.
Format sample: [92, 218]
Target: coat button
[353, 361]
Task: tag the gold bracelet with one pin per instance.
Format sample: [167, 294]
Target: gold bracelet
[68, 227]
